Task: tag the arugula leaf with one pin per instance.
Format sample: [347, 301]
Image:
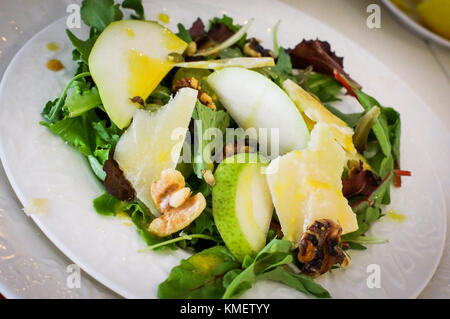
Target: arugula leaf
[324, 87]
[141, 218]
[268, 264]
[99, 14]
[135, 5]
[386, 131]
[83, 48]
[199, 186]
[53, 110]
[49, 109]
[206, 118]
[108, 205]
[90, 136]
[199, 276]
[183, 34]
[300, 282]
[230, 52]
[74, 131]
[160, 95]
[356, 246]
[368, 209]
[284, 65]
[350, 118]
[82, 100]
[204, 224]
[282, 69]
[276, 253]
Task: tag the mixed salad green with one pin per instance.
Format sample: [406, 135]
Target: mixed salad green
[79, 117]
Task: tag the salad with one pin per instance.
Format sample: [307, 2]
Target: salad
[211, 143]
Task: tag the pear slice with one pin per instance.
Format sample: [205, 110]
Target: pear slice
[306, 186]
[254, 101]
[153, 141]
[242, 207]
[129, 59]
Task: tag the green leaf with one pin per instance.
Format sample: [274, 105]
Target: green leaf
[82, 47]
[274, 254]
[82, 100]
[205, 119]
[356, 246]
[135, 5]
[142, 217]
[199, 276]
[282, 69]
[284, 65]
[368, 210]
[96, 167]
[109, 205]
[228, 21]
[183, 34]
[100, 13]
[92, 137]
[350, 118]
[204, 224]
[75, 131]
[231, 52]
[324, 87]
[51, 108]
[300, 282]
[160, 95]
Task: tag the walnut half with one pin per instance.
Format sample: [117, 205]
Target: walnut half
[174, 201]
[319, 248]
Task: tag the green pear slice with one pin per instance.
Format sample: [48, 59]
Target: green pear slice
[153, 141]
[242, 206]
[129, 59]
[254, 101]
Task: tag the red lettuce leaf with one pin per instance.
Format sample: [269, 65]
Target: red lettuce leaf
[197, 30]
[318, 54]
[219, 32]
[360, 182]
[115, 182]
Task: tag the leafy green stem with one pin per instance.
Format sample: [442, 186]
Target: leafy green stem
[174, 240]
[61, 100]
[276, 47]
[368, 240]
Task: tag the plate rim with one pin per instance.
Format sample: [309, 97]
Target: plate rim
[117, 288]
[417, 28]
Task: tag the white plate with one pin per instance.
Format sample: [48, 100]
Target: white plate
[39, 164]
[415, 26]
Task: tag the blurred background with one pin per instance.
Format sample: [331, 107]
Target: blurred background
[421, 62]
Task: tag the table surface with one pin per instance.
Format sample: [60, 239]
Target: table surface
[424, 66]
